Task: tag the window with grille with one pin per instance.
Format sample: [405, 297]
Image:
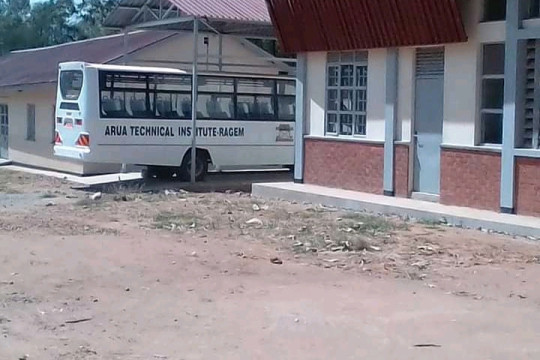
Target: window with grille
[492, 93]
[531, 122]
[346, 93]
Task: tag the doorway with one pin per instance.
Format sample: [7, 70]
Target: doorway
[428, 122]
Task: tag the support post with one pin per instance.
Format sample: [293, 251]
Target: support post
[301, 77]
[125, 50]
[510, 110]
[220, 51]
[125, 61]
[194, 96]
[390, 120]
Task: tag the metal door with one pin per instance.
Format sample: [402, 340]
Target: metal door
[428, 122]
[4, 131]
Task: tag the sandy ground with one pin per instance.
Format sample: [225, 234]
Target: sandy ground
[179, 275]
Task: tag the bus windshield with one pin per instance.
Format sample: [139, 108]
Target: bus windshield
[71, 82]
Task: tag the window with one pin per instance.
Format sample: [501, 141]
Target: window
[530, 131]
[491, 112]
[346, 93]
[71, 83]
[156, 96]
[494, 10]
[534, 8]
[31, 122]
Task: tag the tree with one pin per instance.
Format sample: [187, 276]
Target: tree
[14, 31]
[52, 22]
[92, 15]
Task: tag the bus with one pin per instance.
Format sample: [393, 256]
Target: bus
[142, 116]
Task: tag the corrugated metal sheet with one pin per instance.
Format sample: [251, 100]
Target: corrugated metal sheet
[240, 10]
[241, 17]
[38, 66]
[322, 25]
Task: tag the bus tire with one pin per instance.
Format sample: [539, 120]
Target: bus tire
[201, 166]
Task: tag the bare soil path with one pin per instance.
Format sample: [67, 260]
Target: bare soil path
[189, 276]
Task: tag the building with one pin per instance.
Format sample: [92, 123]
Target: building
[430, 99]
[28, 83]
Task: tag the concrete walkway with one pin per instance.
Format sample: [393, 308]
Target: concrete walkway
[83, 180]
[453, 215]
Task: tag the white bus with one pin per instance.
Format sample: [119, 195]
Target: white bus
[142, 116]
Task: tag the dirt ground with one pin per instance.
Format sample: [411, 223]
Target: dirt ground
[176, 275]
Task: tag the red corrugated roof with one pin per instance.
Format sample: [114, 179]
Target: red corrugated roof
[240, 10]
[37, 66]
[323, 25]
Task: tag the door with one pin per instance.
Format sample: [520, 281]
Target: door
[4, 132]
[428, 121]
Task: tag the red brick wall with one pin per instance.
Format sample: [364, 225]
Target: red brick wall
[345, 165]
[527, 186]
[471, 178]
[401, 170]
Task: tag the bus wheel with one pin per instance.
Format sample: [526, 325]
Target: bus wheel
[201, 166]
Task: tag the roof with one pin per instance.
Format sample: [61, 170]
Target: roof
[326, 25]
[38, 66]
[240, 17]
[75, 65]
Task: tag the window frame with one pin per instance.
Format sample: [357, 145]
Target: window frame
[489, 111]
[358, 60]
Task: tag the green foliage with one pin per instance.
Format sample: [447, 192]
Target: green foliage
[50, 22]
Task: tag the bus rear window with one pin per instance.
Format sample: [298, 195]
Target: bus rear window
[71, 82]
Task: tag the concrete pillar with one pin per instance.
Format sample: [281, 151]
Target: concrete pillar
[301, 77]
[510, 109]
[392, 57]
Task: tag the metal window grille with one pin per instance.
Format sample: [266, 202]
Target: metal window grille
[531, 122]
[346, 93]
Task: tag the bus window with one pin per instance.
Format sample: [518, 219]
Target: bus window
[71, 82]
[215, 106]
[246, 107]
[140, 105]
[173, 83]
[286, 88]
[264, 108]
[255, 86]
[286, 108]
[216, 85]
[113, 106]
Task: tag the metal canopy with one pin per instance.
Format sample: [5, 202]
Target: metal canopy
[246, 18]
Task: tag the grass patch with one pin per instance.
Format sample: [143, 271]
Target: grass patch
[366, 224]
[171, 221]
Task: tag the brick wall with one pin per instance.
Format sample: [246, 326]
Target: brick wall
[527, 186]
[401, 170]
[471, 178]
[345, 165]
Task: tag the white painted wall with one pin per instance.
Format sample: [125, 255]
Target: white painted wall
[406, 88]
[239, 55]
[316, 93]
[376, 97]
[37, 153]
